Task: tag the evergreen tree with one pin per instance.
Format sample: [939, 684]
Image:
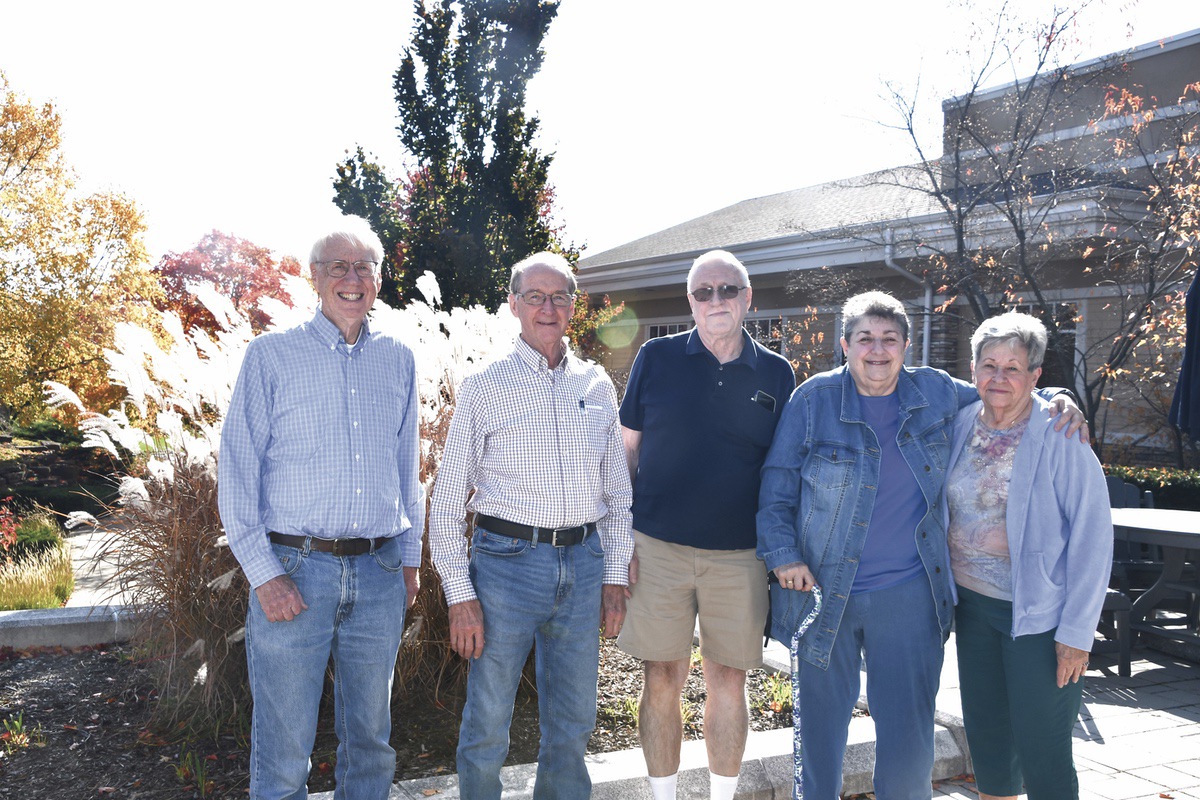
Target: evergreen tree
[476, 200]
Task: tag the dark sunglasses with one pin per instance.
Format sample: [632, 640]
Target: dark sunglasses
[726, 291]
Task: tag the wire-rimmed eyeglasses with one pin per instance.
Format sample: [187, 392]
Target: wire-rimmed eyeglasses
[339, 268]
[536, 298]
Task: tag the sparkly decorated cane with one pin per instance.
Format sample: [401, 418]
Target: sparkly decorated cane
[798, 789]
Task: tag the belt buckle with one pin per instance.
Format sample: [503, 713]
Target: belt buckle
[554, 537]
[339, 547]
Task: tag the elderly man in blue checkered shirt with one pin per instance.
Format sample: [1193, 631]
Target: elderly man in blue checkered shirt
[320, 499]
[535, 451]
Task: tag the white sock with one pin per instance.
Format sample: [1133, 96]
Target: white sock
[721, 787]
[664, 788]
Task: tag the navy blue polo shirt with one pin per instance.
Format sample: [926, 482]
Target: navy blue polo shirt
[706, 428]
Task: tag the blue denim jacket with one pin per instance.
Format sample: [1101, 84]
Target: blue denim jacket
[818, 493]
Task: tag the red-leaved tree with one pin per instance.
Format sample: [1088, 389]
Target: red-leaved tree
[237, 268]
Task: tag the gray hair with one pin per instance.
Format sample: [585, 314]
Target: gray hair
[364, 238]
[543, 259]
[1013, 328]
[724, 257]
[873, 304]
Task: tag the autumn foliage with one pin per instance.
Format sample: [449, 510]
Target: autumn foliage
[238, 269]
[72, 265]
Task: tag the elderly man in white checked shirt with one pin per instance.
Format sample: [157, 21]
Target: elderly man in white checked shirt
[535, 437]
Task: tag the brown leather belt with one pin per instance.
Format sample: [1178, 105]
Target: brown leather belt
[558, 537]
[339, 547]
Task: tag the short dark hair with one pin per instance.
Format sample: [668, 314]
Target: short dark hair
[873, 304]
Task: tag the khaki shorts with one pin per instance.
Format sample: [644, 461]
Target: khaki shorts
[726, 589]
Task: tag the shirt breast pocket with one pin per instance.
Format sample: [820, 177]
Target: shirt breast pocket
[596, 425]
[935, 441]
[830, 466]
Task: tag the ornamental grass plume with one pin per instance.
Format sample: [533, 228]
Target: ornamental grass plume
[165, 532]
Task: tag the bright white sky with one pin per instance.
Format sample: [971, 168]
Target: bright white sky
[232, 114]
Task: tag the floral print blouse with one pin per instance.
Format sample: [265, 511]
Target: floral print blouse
[977, 492]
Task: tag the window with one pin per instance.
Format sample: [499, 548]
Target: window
[655, 331]
[1058, 367]
[767, 332]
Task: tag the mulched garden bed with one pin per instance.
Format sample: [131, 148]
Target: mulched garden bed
[73, 724]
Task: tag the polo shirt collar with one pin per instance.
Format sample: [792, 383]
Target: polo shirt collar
[535, 360]
[328, 334]
[748, 356]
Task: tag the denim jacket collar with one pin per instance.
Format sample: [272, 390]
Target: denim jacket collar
[912, 398]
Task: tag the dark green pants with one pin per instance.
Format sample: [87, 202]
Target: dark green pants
[1018, 721]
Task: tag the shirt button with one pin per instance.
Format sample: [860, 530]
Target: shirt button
[358, 491]
[356, 425]
[355, 525]
[358, 457]
[720, 383]
[354, 391]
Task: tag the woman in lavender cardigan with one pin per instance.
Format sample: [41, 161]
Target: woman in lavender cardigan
[1031, 552]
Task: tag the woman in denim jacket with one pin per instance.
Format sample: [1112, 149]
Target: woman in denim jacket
[849, 502]
[1031, 550]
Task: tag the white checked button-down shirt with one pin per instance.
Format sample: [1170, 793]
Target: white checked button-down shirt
[321, 439]
[539, 447]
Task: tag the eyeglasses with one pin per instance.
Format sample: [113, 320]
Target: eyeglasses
[726, 291]
[339, 269]
[559, 299]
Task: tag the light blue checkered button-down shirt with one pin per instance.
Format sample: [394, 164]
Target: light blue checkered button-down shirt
[321, 439]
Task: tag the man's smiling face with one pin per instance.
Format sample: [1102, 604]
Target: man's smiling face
[345, 301]
[543, 326]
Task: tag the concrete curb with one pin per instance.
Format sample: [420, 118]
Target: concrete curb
[766, 771]
[66, 627]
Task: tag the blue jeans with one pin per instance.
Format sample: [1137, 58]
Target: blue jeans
[356, 614]
[896, 630]
[548, 597]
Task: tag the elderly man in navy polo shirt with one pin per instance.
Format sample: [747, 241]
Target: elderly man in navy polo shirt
[697, 420]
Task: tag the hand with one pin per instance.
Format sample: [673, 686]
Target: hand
[1069, 416]
[1072, 663]
[633, 575]
[612, 609]
[466, 629]
[280, 599]
[412, 585]
[796, 576]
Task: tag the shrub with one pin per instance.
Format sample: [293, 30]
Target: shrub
[174, 568]
[35, 534]
[8, 526]
[43, 580]
[48, 430]
[1172, 488]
